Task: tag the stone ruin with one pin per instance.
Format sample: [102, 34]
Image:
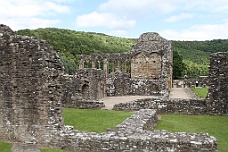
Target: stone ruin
[32, 87]
[145, 70]
[216, 102]
[218, 78]
[30, 92]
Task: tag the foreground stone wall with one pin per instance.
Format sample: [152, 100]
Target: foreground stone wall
[30, 92]
[218, 79]
[137, 134]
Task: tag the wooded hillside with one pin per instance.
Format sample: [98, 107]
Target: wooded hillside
[70, 44]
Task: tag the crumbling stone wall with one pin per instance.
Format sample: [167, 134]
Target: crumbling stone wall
[218, 80]
[30, 93]
[167, 106]
[93, 83]
[152, 59]
[83, 89]
[148, 64]
[137, 134]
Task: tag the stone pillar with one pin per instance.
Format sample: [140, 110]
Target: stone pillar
[105, 67]
[113, 68]
[93, 64]
[81, 64]
[99, 64]
[118, 64]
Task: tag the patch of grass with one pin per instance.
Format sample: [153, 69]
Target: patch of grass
[93, 120]
[214, 125]
[5, 147]
[200, 92]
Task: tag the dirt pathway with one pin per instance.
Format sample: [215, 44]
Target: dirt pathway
[182, 93]
[111, 101]
[175, 93]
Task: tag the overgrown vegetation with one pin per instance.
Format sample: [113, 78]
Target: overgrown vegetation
[93, 120]
[200, 92]
[214, 125]
[71, 44]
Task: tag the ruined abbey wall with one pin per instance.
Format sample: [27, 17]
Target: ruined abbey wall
[145, 70]
[30, 92]
[82, 90]
[218, 81]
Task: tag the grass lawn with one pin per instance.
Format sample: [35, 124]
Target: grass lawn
[5, 147]
[93, 120]
[201, 92]
[216, 126]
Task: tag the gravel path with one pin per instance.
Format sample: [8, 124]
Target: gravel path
[183, 93]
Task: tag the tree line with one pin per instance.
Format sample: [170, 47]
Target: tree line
[190, 57]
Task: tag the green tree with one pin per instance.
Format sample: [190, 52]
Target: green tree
[178, 65]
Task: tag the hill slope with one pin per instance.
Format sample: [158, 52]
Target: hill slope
[70, 44]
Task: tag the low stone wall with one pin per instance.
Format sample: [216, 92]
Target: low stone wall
[174, 106]
[133, 135]
[85, 104]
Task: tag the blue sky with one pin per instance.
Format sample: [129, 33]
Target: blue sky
[172, 19]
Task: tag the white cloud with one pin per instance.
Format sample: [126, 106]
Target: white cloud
[30, 13]
[198, 32]
[105, 20]
[30, 23]
[137, 8]
[180, 17]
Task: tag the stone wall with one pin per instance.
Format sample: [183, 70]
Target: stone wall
[94, 81]
[218, 81]
[136, 134]
[173, 106]
[122, 84]
[30, 92]
[83, 90]
[152, 59]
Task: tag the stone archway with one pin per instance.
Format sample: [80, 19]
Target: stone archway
[85, 92]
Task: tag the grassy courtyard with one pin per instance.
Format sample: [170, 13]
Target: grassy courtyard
[201, 92]
[214, 125]
[93, 120]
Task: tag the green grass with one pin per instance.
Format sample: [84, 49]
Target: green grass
[5, 147]
[93, 120]
[200, 92]
[216, 126]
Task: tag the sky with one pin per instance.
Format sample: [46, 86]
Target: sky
[172, 19]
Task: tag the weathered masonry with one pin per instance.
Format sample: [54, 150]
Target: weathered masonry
[145, 70]
[30, 92]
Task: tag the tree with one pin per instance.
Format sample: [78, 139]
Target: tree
[178, 65]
